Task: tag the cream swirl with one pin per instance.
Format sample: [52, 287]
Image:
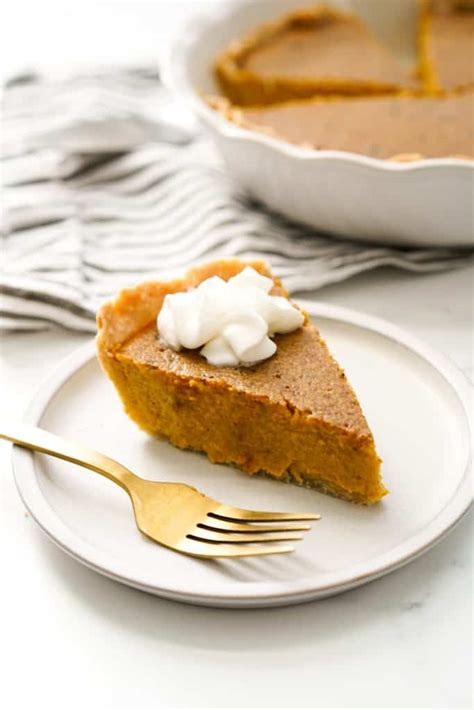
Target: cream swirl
[231, 321]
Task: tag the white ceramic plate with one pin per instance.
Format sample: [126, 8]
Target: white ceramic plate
[426, 203]
[416, 404]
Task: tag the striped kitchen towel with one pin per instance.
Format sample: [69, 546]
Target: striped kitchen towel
[106, 181]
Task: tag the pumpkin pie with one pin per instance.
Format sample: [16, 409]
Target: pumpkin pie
[308, 52]
[293, 416]
[447, 45]
[383, 127]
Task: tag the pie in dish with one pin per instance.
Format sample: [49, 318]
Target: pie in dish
[308, 52]
[293, 416]
[447, 45]
[386, 127]
[319, 78]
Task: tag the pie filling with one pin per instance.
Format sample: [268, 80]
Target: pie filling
[381, 127]
[317, 78]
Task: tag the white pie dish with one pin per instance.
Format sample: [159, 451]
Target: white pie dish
[421, 203]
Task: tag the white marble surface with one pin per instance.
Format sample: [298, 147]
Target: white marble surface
[402, 641]
[77, 640]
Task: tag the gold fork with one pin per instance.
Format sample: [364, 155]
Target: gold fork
[174, 514]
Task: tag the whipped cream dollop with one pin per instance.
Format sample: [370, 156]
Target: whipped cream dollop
[231, 321]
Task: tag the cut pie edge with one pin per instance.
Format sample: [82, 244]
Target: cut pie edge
[426, 67]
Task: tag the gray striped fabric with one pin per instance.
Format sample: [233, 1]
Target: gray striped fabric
[107, 184]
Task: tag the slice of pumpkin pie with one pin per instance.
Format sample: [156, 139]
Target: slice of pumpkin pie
[307, 53]
[222, 362]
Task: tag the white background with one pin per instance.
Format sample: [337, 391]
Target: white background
[73, 639]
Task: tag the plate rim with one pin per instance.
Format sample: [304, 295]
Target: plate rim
[438, 527]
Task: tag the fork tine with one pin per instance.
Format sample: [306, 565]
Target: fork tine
[210, 550]
[221, 525]
[227, 512]
[240, 538]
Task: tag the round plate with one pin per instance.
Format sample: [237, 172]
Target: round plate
[415, 402]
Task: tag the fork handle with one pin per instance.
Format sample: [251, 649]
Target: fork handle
[32, 437]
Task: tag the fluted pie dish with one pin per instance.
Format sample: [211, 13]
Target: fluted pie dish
[331, 185]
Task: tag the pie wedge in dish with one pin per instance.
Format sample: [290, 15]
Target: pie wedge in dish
[293, 415]
[387, 127]
[308, 52]
[447, 45]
